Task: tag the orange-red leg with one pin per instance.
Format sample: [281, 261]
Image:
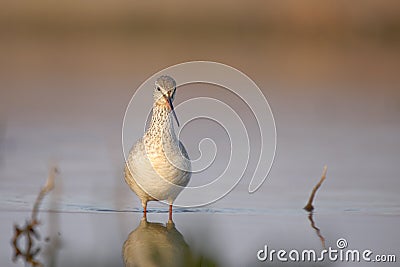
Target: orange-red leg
[170, 212]
[145, 210]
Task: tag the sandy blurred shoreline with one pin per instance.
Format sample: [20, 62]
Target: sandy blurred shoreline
[285, 42]
[305, 18]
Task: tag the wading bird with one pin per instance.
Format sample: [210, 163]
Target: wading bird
[158, 166]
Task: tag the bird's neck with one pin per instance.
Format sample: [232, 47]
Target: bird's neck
[161, 125]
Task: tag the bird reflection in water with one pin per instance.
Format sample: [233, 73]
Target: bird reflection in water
[156, 244]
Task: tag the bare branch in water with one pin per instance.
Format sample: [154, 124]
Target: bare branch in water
[309, 206]
[29, 231]
[45, 189]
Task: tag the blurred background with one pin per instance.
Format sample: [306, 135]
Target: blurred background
[329, 69]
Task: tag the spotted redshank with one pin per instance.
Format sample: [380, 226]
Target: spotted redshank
[158, 166]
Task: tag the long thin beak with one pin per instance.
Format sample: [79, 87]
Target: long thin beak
[169, 101]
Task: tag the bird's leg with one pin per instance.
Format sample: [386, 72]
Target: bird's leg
[144, 204]
[170, 212]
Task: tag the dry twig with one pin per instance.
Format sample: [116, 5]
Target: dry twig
[29, 231]
[45, 189]
[309, 206]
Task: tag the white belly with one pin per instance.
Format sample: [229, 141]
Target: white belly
[155, 175]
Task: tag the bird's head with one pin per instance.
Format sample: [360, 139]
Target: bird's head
[164, 93]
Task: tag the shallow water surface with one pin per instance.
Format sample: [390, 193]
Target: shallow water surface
[228, 237]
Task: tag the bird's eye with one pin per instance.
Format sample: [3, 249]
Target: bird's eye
[158, 88]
